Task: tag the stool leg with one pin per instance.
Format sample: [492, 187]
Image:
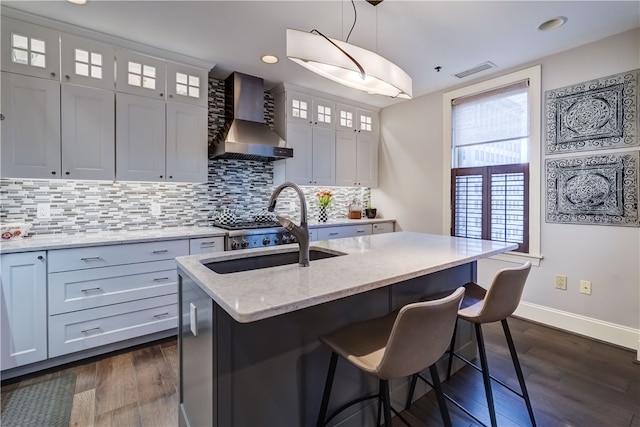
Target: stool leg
[485, 374]
[327, 389]
[516, 365]
[440, 395]
[451, 350]
[412, 389]
[384, 390]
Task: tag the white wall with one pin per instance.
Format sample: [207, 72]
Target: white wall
[410, 189]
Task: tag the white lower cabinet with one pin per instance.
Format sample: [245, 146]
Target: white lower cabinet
[105, 294]
[383, 227]
[206, 245]
[339, 232]
[84, 329]
[23, 308]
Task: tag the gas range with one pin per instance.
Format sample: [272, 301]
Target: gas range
[250, 234]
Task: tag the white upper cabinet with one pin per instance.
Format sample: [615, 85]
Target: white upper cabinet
[324, 156]
[324, 113]
[345, 118]
[357, 147]
[88, 133]
[87, 62]
[140, 138]
[30, 128]
[139, 74]
[299, 108]
[186, 143]
[187, 85]
[30, 49]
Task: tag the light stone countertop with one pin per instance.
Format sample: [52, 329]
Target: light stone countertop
[370, 262]
[45, 242]
[63, 241]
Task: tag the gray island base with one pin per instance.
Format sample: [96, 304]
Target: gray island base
[249, 349]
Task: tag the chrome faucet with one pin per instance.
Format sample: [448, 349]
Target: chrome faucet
[300, 232]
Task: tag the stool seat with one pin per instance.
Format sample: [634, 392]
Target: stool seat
[473, 301]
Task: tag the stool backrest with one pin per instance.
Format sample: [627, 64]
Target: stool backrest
[420, 336]
[504, 295]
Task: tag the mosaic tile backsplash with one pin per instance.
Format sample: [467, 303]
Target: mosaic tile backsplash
[94, 206]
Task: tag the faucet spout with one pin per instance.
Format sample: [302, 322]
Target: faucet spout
[301, 232]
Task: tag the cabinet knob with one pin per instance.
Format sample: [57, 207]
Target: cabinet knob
[170, 176]
[67, 173]
[53, 74]
[53, 172]
[1, 116]
[170, 96]
[67, 76]
[161, 95]
[40, 257]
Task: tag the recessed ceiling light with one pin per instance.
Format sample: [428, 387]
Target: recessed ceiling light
[552, 24]
[269, 59]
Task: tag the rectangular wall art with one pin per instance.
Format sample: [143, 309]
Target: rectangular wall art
[598, 114]
[599, 189]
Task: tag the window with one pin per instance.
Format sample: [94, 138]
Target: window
[141, 75]
[28, 51]
[492, 135]
[187, 85]
[324, 114]
[298, 108]
[88, 64]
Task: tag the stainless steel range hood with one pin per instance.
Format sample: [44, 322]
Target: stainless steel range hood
[245, 134]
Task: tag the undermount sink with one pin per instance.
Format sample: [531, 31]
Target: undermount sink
[265, 261]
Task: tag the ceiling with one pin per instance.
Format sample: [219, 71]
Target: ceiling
[416, 35]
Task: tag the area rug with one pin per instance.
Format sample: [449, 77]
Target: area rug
[43, 404]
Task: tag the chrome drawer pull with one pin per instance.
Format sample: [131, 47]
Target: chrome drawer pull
[359, 231]
[97, 328]
[93, 258]
[207, 244]
[333, 234]
[90, 290]
[160, 279]
[163, 251]
[161, 315]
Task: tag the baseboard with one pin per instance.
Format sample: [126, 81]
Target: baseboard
[612, 333]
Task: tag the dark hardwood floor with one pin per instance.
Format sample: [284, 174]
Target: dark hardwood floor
[573, 381]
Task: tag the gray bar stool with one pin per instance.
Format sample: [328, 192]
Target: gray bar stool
[486, 306]
[397, 345]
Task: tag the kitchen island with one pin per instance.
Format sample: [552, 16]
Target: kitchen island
[249, 349]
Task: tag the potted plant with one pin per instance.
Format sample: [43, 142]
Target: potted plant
[370, 211]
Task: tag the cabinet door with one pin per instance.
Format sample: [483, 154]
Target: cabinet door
[324, 156]
[366, 160]
[140, 138]
[30, 49]
[140, 74]
[187, 84]
[87, 62]
[23, 308]
[346, 158]
[88, 133]
[324, 113]
[299, 168]
[299, 108]
[30, 127]
[186, 143]
[367, 122]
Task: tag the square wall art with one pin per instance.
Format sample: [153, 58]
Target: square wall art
[599, 189]
[598, 114]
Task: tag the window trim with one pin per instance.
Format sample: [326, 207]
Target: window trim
[535, 163]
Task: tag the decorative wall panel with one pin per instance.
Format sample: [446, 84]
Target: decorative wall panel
[600, 189]
[597, 114]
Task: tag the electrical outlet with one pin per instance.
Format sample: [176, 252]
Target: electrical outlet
[156, 209]
[43, 210]
[585, 287]
[561, 282]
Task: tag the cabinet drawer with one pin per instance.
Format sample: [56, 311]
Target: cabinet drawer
[85, 329]
[83, 289]
[105, 256]
[329, 233]
[383, 227]
[206, 245]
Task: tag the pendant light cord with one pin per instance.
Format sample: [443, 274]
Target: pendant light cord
[362, 73]
[355, 18]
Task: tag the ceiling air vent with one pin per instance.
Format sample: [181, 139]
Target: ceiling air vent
[476, 69]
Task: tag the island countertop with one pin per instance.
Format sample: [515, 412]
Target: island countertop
[369, 262]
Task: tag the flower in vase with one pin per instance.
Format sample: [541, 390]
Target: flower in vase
[324, 198]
